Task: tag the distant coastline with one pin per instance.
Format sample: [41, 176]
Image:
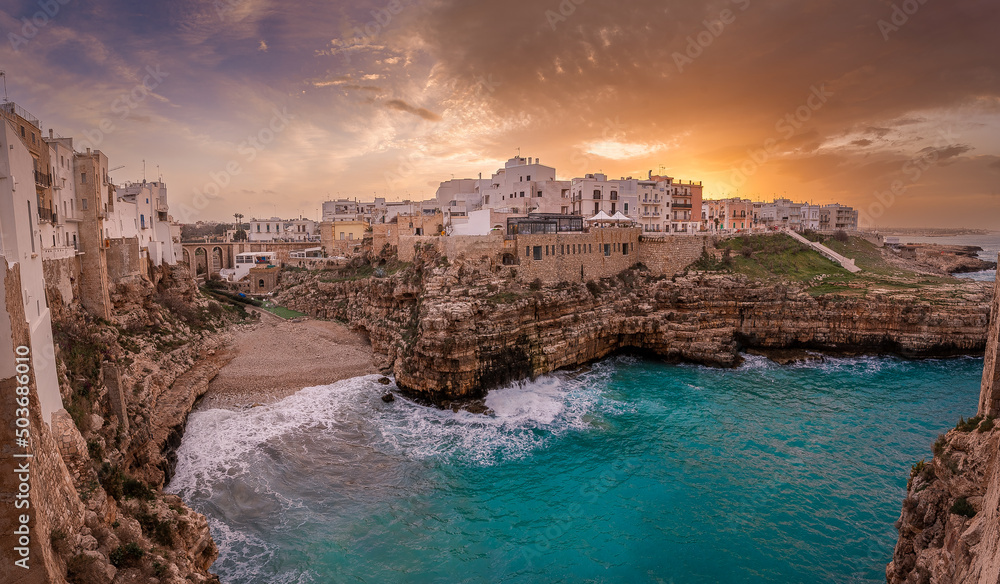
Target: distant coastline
[935, 231]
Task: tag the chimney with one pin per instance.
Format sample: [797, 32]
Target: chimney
[88, 151]
[50, 134]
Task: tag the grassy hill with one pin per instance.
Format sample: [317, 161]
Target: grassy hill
[779, 258]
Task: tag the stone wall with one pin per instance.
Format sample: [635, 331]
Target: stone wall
[62, 276]
[263, 280]
[668, 255]
[576, 257]
[989, 397]
[54, 503]
[407, 245]
[124, 258]
[471, 246]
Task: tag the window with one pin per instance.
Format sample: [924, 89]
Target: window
[546, 250]
[597, 193]
[83, 177]
[562, 249]
[31, 227]
[607, 249]
[522, 194]
[625, 208]
[539, 194]
[625, 249]
[537, 252]
[22, 131]
[84, 204]
[260, 283]
[529, 177]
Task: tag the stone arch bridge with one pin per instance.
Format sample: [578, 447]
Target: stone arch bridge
[208, 257]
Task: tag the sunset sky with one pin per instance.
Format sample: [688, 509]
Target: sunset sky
[278, 106]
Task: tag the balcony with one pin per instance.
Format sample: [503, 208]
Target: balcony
[682, 206]
[58, 253]
[43, 179]
[46, 214]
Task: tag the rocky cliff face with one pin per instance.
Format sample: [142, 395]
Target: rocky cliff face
[949, 529]
[453, 331]
[127, 387]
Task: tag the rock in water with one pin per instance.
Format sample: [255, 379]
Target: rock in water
[384, 380]
[388, 397]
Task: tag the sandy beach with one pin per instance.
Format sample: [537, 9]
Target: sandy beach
[277, 358]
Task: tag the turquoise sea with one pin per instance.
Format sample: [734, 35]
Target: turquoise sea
[631, 471]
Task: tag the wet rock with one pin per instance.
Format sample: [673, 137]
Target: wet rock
[384, 380]
[388, 397]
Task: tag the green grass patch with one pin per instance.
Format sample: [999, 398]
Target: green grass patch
[285, 313]
[774, 257]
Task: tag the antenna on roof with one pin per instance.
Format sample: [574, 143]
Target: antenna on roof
[4, 75]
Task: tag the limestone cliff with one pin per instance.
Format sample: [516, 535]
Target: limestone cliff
[455, 330]
[127, 386]
[949, 529]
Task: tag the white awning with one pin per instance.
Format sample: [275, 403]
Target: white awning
[619, 217]
[602, 216]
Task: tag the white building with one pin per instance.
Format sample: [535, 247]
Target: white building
[20, 243]
[277, 229]
[245, 261]
[522, 186]
[595, 193]
[61, 235]
[141, 211]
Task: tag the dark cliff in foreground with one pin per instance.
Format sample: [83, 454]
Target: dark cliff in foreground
[949, 529]
[453, 330]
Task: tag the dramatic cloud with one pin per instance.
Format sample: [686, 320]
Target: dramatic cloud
[400, 105]
[822, 100]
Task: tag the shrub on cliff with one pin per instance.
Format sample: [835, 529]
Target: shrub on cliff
[162, 532]
[126, 555]
[594, 288]
[987, 425]
[968, 425]
[535, 284]
[962, 507]
[841, 236]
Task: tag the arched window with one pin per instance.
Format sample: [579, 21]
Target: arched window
[260, 284]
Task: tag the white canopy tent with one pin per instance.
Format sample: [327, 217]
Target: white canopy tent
[622, 218]
[601, 217]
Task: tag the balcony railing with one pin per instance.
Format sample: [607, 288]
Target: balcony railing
[46, 214]
[682, 205]
[43, 179]
[12, 108]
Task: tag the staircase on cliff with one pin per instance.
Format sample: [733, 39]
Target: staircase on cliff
[846, 262]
